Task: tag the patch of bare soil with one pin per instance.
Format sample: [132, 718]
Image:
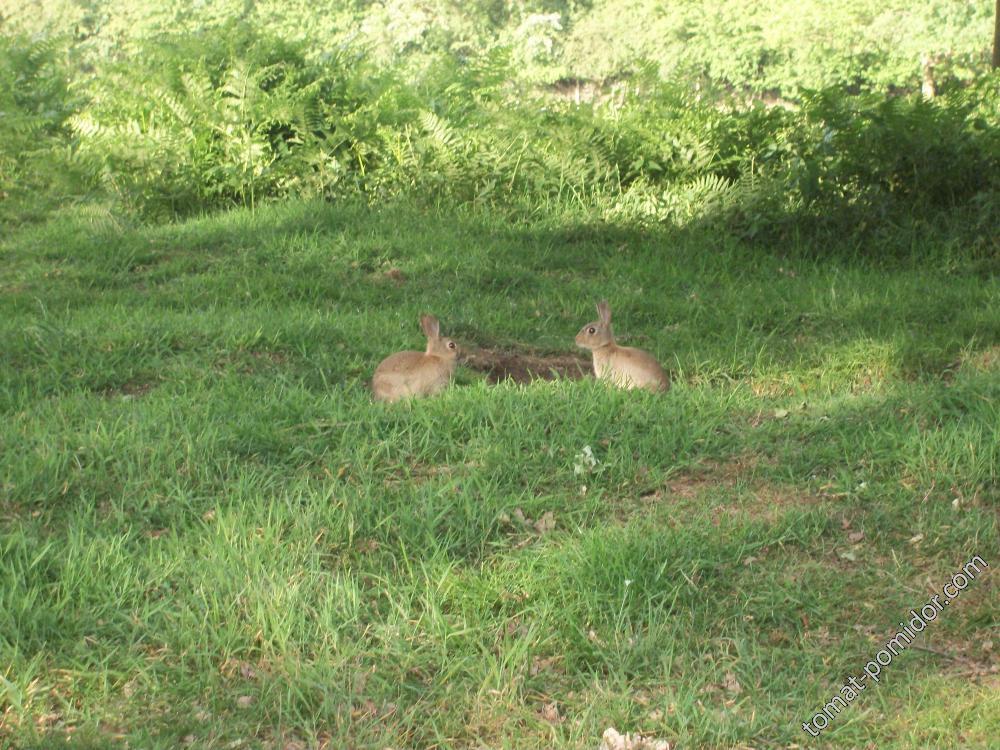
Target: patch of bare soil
[250, 361]
[758, 497]
[390, 276]
[970, 658]
[984, 359]
[129, 389]
[524, 367]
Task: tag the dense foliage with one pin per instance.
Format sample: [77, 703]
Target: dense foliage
[782, 45]
[34, 104]
[225, 111]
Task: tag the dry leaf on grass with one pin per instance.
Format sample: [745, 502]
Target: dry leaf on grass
[367, 710]
[731, 684]
[550, 712]
[612, 740]
[517, 519]
[395, 276]
[546, 523]
[513, 627]
[539, 664]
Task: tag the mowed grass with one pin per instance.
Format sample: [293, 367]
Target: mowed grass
[211, 537]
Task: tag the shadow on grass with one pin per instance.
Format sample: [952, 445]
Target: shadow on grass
[706, 303]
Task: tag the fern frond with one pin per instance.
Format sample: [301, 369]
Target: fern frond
[438, 129]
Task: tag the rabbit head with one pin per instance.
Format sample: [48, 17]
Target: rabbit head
[598, 333]
[436, 345]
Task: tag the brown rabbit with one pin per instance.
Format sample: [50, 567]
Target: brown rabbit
[406, 374]
[624, 366]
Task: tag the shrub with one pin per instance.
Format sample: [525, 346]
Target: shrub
[232, 116]
[34, 105]
[229, 117]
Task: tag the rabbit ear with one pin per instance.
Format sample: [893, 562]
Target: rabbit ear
[430, 326]
[604, 310]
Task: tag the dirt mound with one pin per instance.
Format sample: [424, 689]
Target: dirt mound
[524, 366]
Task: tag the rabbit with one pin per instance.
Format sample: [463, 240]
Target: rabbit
[624, 366]
[406, 374]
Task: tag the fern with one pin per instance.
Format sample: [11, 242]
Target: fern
[438, 131]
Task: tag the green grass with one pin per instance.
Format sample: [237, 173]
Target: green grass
[202, 508]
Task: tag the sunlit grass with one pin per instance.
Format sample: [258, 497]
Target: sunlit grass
[211, 535]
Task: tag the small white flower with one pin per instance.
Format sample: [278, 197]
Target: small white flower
[585, 461]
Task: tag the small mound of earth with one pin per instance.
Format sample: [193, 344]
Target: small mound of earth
[524, 367]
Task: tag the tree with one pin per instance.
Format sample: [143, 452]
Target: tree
[996, 37]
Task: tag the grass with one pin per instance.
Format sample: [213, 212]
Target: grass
[210, 536]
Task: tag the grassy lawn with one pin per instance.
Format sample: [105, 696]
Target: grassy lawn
[211, 537]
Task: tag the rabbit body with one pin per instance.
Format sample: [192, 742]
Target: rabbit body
[407, 374]
[628, 367]
[624, 366]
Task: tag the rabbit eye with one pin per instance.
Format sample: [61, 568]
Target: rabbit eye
[451, 344]
[592, 330]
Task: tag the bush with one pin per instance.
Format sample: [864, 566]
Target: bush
[839, 166]
[34, 105]
[233, 116]
[230, 117]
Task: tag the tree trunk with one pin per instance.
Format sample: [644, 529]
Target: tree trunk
[927, 86]
[996, 37]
